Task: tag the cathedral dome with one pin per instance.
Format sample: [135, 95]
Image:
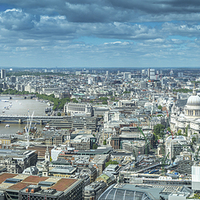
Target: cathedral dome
[193, 101]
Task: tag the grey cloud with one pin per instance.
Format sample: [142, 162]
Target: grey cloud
[109, 10]
[15, 19]
[181, 29]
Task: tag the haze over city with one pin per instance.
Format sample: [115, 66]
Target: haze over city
[109, 33]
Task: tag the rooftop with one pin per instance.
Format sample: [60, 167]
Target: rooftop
[63, 184]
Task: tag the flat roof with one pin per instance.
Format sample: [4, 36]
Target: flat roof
[34, 179]
[5, 176]
[19, 186]
[63, 184]
[94, 151]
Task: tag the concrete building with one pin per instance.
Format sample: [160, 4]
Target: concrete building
[83, 142]
[99, 162]
[62, 171]
[76, 122]
[94, 190]
[23, 187]
[175, 145]
[78, 108]
[196, 177]
[3, 73]
[16, 161]
[91, 171]
[56, 151]
[113, 169]
[127, 75]
[187, 119]
[99, 111]
[152, 74]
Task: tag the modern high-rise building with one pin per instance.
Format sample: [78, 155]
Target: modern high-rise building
[3, 73]
[152, 74]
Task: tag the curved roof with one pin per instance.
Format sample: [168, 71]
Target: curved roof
[130, 192]
[193, 101]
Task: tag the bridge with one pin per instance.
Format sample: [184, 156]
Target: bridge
[23, 118]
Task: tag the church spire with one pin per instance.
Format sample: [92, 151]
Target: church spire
[47, 155]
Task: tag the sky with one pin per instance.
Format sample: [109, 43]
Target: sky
[100, 33]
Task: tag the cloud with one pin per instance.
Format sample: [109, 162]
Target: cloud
[137, 30]
[15, 19]
[181, 29]
[91, 11]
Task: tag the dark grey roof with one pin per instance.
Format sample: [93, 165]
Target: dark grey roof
[181, 102]
[95, 151]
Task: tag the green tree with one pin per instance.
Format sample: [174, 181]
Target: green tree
[94, 146]
[194, 139]
[58, 114]
[159, 130]
[74, 100]
[104, 142]
[155, 139]
[111, 162]
[179, 132]
[104, 102]
[160, 107]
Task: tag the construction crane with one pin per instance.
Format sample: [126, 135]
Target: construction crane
[196, 157]
[163, 162]
[28, 128]
[146, 140]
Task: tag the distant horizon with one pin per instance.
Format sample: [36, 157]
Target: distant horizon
[98, 68]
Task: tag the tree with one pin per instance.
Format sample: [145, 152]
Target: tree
[168, 129]
[159, 130]
[160, 107]
[105, 102]
[111, 162]
[186, 130]
[94, 146]
[104, 142]
[179, 132]
[58, 114]
[194, 139]
[155, 139]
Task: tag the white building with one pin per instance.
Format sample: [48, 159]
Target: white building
[56, 151]
[152, 74]
[196, 176]
[175, 145]
[127, 75]
[3, 73]
[187, 120]
[78, 108]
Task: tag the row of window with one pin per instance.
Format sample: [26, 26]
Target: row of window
[193, 113]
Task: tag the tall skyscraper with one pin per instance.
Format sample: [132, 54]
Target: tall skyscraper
[152, 74]
[3, 73]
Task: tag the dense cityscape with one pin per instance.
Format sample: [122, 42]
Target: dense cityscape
[105, 134]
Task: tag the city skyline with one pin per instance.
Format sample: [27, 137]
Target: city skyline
[99, 34]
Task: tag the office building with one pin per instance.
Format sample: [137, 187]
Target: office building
[196, 176]
[94, 190]
[15, 161]
[3, 73]
[78, 108]
[152, 74]
[21, 186]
